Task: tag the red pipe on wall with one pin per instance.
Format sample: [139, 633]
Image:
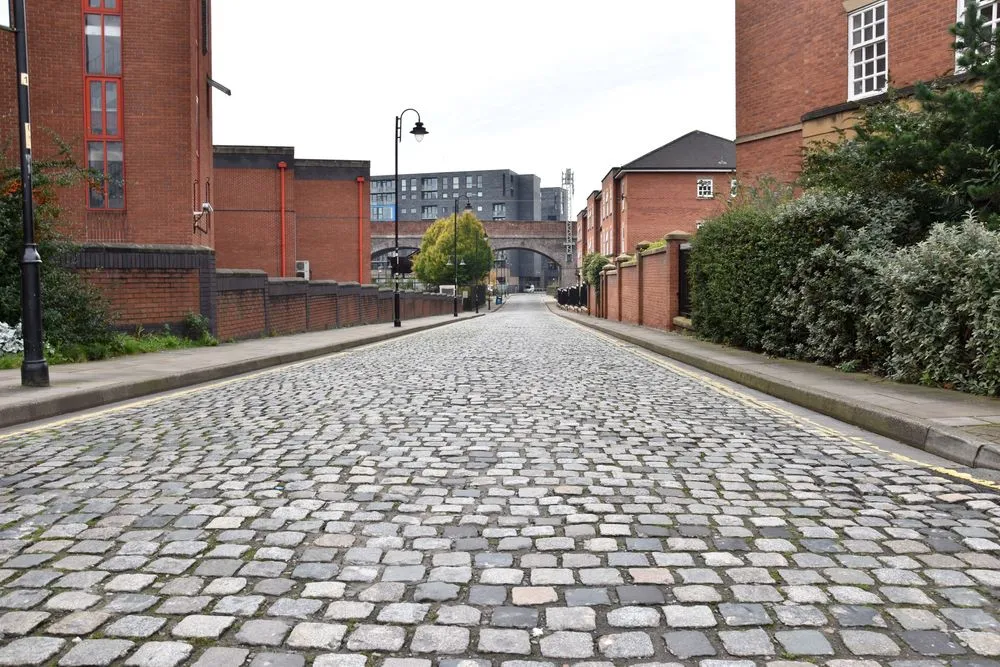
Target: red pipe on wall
[281, 167]
[361, 230]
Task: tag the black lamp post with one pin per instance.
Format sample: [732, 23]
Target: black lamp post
[454, 245]
[475, 285]
[34, 369]
[418, 132]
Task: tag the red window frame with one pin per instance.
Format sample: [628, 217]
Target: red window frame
[103, 137]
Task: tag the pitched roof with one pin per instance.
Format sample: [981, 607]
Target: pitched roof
[695, 151]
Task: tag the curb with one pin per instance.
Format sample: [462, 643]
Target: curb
[92, 398]
[951, 444]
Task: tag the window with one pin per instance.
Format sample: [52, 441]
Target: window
[428, 212]
[402, 184]
[428, 184]
[706, 188]
[413, 184]
[444, 183]
[734, 188]
[499, 211]
[479, 209]
[468, 182]
[454, 183]
[479, 194]
[102, 30]
[381, 214]
[479, 181]
[429, 194]
[869, 64]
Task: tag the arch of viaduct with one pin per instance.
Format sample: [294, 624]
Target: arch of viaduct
[547, 238]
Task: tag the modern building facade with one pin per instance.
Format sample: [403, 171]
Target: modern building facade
[555, 204]
[498, 194]
[672, 188]
[804, 68]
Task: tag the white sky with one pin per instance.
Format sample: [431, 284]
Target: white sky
[534, 86]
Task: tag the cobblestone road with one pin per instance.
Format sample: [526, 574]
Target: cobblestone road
[508, 491]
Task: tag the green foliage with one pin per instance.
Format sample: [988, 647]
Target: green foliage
[434, 265]
[942, 154]
[116, 345]
[73, 312]
[197, 328]
[593, 263]
[940, 309]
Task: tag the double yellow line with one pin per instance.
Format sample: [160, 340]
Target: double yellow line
[802, 420]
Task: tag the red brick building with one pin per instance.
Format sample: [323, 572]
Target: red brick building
[804, 67]
[127, 87]
[672, 188]
[273, 212]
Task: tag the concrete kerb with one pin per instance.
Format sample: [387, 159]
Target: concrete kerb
[941, 441]
[86, 399]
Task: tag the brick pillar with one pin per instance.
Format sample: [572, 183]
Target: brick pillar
[619, 260]
[674, 242]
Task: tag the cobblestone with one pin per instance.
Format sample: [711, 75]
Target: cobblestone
[504, 492]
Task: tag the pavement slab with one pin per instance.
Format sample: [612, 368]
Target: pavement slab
[509, 491]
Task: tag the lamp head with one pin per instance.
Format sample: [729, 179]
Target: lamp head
[419, 131]
[462, 263]
[468, 206]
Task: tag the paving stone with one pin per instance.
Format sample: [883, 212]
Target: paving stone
[219, 656]
[688, 644]
[566, 644]
[278, 660]
[30, 650]
[376, 638]
[804, 642]
[440, 640]
[21, 622]
[259, 632]
[160, 654]
[626, 645]
[747, 642]
[316, 636]
[78, 623]
[139, 627]
[504, 641]
[570, 618]
[863, 642]
[458, 615]
[96, 652]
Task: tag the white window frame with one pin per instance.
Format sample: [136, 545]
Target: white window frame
[960, 16]
[706, 188]
[852, 46]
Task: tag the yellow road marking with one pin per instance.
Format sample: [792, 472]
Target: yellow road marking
[143, 402]
[770, 407]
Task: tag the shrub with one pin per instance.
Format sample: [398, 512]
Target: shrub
[593, 263]
[73, 312]
[941, 309]
[198, 328]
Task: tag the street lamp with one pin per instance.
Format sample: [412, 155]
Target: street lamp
[418, 132]
[475, 286]
[454, 245]
[34, 368]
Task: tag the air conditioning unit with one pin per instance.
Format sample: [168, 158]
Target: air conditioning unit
[302, 268]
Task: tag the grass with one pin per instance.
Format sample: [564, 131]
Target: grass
[120, 345]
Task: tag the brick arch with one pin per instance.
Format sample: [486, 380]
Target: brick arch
[546, 238]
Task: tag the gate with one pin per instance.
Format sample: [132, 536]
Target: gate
[683, 284]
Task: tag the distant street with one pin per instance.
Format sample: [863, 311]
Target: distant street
[508, 491]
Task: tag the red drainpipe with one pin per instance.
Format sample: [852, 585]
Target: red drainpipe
[281, 167]
[361, 229]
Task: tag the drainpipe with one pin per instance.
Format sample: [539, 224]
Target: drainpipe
[281, 167]
[361, 229]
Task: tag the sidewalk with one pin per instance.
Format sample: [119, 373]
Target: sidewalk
[89, 385]
[956, 426]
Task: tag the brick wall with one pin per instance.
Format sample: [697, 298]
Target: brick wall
[654, 289]
[792, 59]
[167, 131]
[657, 204]
[148, 298]
[328, 233]
[628, 283]
[646, 291]
[251, 305]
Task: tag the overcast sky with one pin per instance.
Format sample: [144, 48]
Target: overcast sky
[534, 86]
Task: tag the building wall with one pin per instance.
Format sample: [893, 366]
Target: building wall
[333, 220]
[608, 213]
[781, 76]
[659, 203]
[248, 210]
[165, 118]
[519, 194]
[555, 204]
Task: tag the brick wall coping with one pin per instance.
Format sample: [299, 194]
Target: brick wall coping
[629, 263]
[678, 236]
[240, 272]
[654, 251]
[149, 248]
